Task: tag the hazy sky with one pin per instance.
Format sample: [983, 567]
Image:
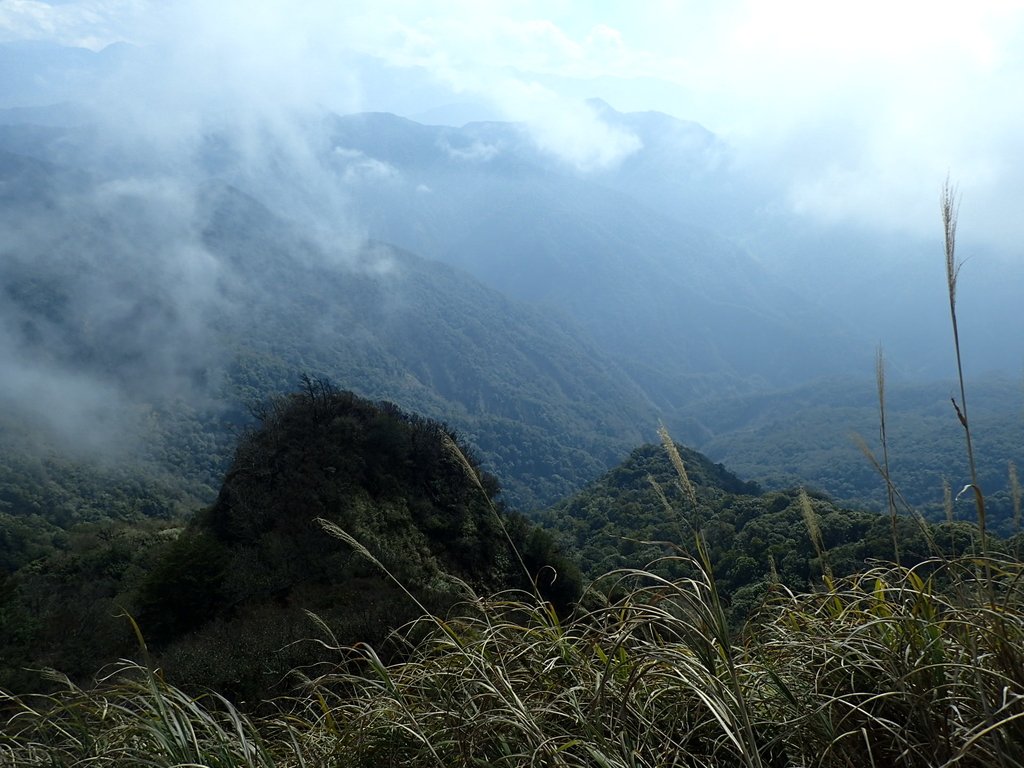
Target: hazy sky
[861, 109]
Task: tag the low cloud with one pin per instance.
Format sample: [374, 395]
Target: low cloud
[78, 412]
[355, 166]
[477, 152]
[573, 132]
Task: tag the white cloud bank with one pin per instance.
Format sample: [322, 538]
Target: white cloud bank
[860, 110]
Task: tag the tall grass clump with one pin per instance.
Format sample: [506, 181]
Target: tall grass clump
[892, 667]
[1015, 496]
[897, 667]
[950, 206]
[890, 489]
[643, 681]
[134, 717]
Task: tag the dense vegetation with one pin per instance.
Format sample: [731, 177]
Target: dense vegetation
[756, 632]
[638, 515]
[224, 601]
[806, 436]
[895, 666]
[254, 563]
[718, 628]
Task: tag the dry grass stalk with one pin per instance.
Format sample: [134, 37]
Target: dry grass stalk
[950, 206]
[889, 489]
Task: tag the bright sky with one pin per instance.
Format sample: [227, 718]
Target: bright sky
[863, 108]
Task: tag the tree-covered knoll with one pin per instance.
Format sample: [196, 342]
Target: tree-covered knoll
[639, 515]
[224, 601]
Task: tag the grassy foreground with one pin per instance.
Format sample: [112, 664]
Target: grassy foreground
[894, 667]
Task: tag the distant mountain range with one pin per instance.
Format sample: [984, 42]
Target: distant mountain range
[550, 314]
[198, 278]
[674, 301]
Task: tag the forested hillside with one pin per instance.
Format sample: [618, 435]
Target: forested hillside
[812, 436]
[640, 515]
[169, 347]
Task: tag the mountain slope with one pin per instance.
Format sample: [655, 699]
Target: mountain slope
[634, 256]
[660, 292]
[146, 293]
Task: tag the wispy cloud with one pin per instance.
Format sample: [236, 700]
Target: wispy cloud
[91, 24]
[856, 110]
